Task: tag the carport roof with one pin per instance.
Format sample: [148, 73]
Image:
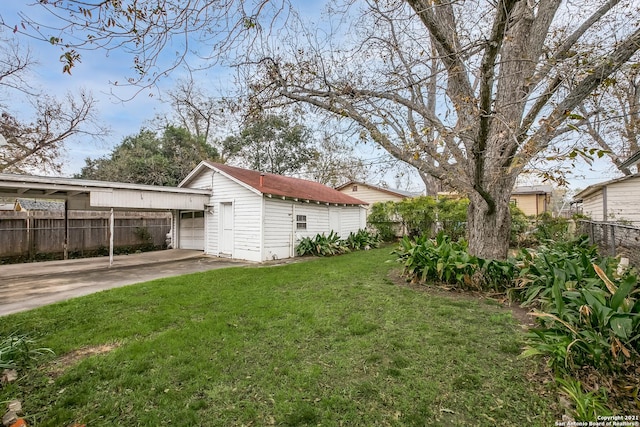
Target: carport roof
[102, 193]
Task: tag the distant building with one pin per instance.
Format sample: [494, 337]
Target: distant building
[372, 194]
[28, 205]
[532, 200]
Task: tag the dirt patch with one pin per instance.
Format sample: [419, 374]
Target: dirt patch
[61, 364]
[521, 314]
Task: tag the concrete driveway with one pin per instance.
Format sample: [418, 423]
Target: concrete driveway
[31, 285]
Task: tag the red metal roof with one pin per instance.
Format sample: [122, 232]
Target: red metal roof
[284, 186]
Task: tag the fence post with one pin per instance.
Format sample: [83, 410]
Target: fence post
[111, 227]
[613, 240]
[65, 245]
[31, 243]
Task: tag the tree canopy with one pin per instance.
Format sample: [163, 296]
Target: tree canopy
[149, 158]
[467, 92]
[272, 144]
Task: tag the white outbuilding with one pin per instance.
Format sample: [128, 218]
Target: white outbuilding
[617, 200]
[260, 216]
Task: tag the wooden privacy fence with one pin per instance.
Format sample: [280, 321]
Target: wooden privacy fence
[614, 239]
[31, 234]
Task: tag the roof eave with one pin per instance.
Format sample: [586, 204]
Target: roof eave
[305, 200]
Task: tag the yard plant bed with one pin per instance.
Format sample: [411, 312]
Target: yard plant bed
[323, 342]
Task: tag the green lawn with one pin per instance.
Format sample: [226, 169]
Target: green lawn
[325, 342]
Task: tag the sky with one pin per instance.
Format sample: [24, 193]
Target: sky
[97, 72]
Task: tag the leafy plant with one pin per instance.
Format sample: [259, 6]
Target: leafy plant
[586, 318]
[444, 261]
[18, 350]
[588, 406]
[321, 245]
[362, 239]
[538, 270]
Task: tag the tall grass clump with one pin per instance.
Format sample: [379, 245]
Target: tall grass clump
[19, 351]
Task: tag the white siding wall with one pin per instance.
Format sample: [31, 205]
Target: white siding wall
[278, 229]
[317, 219]
[623, 201]
[247, 212]
[350, 220]
[592, 206]
[203, 180]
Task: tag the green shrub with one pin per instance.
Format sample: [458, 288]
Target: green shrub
[548, 228]
[383, 217]
[452, 217]
[519, 235]
[418, 214]
[428, 216]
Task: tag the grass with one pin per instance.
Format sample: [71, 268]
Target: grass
[325, 342]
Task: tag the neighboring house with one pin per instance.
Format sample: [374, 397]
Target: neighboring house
[30, 205]
[617, 200]
[372, 194]
[259, 216]
[532, 200]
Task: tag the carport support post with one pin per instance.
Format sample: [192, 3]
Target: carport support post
[65, 245]
[111, 227]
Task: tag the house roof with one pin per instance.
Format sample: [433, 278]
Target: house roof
[277, 185]
[40, 205]
[596, 187]
[392, 191]
[532, 189]
[632, 160]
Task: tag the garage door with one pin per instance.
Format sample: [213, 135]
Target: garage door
[192, 230]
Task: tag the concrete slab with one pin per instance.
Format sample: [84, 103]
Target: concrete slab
[27, 286]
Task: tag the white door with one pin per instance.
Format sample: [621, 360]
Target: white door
[226, 229]
[192, 230]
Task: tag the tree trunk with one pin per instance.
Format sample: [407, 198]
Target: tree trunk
[432, 184]
[489, 228]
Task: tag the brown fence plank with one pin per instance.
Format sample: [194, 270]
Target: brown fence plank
[44, 232]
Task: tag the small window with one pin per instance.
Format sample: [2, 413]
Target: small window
[354, 188]
[513, 202]
[301, 222]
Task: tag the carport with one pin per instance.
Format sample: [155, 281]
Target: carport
[79, 194]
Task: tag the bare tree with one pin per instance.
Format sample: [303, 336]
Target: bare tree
[612, 116]
[334, 163]
[37, 144]
[205, 116]
[507, 78]
[468, 92]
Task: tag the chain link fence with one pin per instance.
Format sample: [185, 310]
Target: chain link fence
[614, 239]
